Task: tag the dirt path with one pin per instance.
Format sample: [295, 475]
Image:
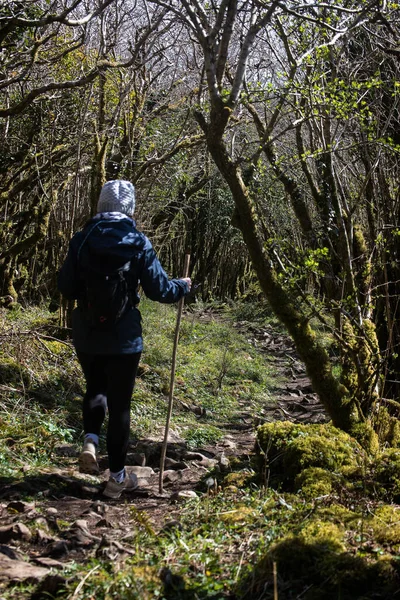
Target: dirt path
[69, 520]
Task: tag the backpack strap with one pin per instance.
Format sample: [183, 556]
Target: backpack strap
[87, 235]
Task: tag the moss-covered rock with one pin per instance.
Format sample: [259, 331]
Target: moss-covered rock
[388, 428]
[366, 436]
[385, 525]
[339, 515]
[238, 478]
[12, 372]
[385, 474]
[314, 482]
[325, 534]
[287, 450]
[316, 567]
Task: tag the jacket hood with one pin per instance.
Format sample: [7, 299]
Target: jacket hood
[109, 240]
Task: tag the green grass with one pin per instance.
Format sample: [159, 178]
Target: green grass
[201, 435]
[41, 384]
[216, 369]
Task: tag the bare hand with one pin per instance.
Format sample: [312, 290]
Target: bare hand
[188, 281]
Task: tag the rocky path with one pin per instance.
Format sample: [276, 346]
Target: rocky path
[68, 520]
[293, 393]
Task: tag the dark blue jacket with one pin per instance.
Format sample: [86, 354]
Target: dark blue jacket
[108, 239]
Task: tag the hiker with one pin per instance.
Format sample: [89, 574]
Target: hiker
[105, 264]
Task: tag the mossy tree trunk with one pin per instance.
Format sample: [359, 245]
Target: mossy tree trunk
[27, 229]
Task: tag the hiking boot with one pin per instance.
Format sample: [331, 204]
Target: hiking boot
[114, 489]
[87, 460]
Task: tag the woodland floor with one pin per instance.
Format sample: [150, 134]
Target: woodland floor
[73, 522]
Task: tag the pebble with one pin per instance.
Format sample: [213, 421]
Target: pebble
[183, 495]
[141, 472]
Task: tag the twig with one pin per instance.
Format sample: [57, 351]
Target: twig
[11, 389]
[13, 334]
[243, 553]
[82, 583]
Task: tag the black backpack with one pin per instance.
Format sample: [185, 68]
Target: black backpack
[106, 296]
[106, 293]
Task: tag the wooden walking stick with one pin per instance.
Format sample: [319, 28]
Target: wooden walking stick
[172, 380]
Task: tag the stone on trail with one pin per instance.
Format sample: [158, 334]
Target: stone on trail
[110, 549]
[57, 549]
[183, 495]
[105, 523]
[99, 507]
[20, 507]
[51, 510]
[141, 472]
[223, 462]
[136, 458]
[171, 476]
[175, 465]
[171, 525]
[228, 443]
[11, 552]
[19, 570]
[43, 538]
[49, 587]
[193, 456]
[45, 523]
[208, 463]
[46, 561]
[79, 533]
[17, 531]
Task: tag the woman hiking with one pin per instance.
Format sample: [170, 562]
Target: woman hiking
[106, 263]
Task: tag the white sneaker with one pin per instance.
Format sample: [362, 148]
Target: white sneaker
[114, 489]
[88, 460]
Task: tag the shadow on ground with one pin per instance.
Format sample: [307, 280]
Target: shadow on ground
[320, 571]
[44, 485]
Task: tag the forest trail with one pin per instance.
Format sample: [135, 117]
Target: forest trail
[73, 522]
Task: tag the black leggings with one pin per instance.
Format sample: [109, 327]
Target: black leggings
[110, 380]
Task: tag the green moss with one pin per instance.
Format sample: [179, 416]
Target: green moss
[11, 372]
[386, 474]
[55, 347]
[238, 478]
[340, 515]
[324, 533]
[360, 246]
[241, 514]
[385, 525]
[366, 437]
[315, 566]
[359, 364]
[288, 449]
[388, 428]
[314, 482]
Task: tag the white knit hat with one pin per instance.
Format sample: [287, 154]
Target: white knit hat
[117, 196]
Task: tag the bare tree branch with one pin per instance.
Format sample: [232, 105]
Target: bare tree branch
[11, 22]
